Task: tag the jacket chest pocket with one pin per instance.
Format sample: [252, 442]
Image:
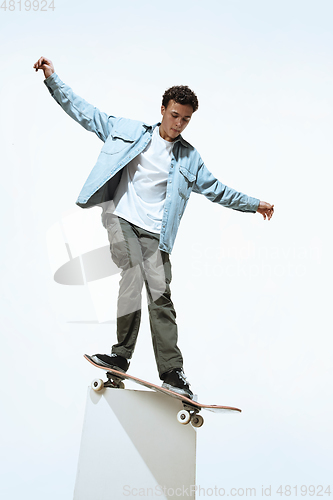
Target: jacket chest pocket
[186, 183]
[117, 142]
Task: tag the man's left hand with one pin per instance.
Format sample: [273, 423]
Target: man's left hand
[266, 210]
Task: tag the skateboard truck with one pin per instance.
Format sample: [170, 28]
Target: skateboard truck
[190, 414]
[112, 381]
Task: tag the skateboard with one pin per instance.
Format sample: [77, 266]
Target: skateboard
[191, 408]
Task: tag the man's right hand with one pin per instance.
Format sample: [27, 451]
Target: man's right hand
[46, 65]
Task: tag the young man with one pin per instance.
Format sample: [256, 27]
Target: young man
[143, 178]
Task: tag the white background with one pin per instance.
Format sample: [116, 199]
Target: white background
[252, 297]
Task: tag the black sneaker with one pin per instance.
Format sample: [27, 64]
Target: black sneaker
[175, 380]
[111, 361]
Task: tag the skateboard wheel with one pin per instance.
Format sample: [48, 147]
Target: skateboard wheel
[183, 417]
[197, 420]
[121, 385]
[97, 384]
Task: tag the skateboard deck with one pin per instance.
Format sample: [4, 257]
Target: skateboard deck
[191, 408]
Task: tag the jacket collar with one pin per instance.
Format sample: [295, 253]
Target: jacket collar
[150, 129]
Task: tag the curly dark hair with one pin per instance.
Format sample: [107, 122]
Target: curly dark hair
[181, 94]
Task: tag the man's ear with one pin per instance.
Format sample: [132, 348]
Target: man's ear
[162, 110]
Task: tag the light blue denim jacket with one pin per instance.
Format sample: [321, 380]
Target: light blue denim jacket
[124, 139]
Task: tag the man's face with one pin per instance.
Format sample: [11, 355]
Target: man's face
[175, 118]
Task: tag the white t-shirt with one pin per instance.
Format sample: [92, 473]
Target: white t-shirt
[140, 195]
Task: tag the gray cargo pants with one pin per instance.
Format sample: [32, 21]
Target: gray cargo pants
[136, 252]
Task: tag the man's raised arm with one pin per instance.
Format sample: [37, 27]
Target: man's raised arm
[87, 115]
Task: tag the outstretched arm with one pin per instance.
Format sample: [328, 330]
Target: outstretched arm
[87, 115]
[217, 192]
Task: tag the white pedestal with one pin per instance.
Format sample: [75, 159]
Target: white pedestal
[133, 447]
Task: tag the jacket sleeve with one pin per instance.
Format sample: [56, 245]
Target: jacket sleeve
[80, 110]
[217, 192]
